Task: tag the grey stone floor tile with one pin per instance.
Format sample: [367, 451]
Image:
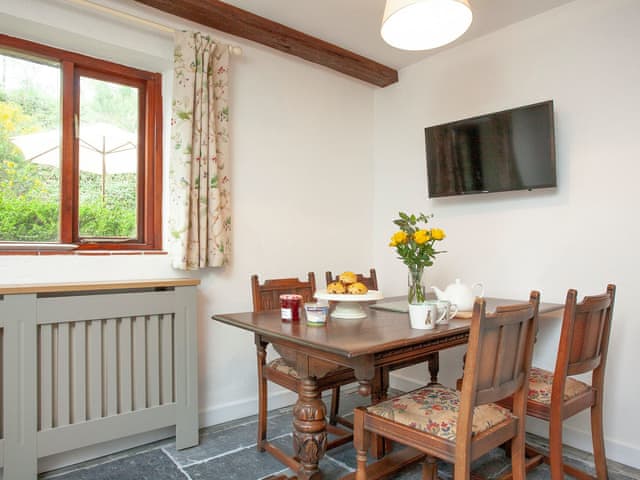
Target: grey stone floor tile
[245, 464]
[153, 465]
[215, 442]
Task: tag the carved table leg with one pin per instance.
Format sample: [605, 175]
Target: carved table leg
[309, 430]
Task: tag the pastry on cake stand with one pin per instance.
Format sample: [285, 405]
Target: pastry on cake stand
[349, 305]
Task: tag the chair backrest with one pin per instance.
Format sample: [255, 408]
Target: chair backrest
[584, 338]
[371, 281]
[267, 295]
[498, 359]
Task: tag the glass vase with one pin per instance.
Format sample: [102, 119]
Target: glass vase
[416, 287]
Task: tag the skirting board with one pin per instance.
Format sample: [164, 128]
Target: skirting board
[244, 408]
[620, 452]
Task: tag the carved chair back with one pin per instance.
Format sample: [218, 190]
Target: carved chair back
[267, 295]
[371, 282]
[498, 361]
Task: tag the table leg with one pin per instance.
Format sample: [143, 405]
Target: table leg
[309, 430]
[380, 386]
[459, 381]
[434, 366]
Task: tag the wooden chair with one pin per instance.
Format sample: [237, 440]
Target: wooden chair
[372, 284]
[267, 297]
[459, 427]
[555, 396]
[371, 281]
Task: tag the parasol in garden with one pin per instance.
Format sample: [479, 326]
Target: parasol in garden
[104, 149]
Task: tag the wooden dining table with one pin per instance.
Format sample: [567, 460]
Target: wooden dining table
[384, 339]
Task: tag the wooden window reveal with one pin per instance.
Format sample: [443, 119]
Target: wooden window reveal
[109, 147]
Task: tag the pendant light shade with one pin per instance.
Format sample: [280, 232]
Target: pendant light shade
[424, 24]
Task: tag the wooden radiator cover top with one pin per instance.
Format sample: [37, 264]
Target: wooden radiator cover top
[8, 289]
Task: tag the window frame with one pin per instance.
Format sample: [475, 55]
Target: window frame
[149, 84]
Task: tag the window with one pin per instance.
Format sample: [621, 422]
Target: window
[80, 151]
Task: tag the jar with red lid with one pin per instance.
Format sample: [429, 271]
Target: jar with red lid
[290, 307]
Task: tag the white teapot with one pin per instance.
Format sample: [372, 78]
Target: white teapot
[459, 294]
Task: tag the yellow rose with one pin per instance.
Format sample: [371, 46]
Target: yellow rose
[398, 238]
[421, 237]
[437, 233]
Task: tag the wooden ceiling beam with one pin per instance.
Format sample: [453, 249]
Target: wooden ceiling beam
[230, 19]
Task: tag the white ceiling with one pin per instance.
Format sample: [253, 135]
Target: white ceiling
[355, 24]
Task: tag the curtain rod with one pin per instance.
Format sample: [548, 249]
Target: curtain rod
[234, 49]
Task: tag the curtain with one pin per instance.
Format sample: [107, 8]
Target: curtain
[199, 210]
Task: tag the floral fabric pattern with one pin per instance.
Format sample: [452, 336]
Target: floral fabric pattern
[541, 383]
[434, 409]
[199, 209]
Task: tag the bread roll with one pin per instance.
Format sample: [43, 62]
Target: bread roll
[336, 287]
[357, 288]
[348, 278]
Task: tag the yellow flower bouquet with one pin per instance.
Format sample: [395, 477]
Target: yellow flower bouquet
[415, 246]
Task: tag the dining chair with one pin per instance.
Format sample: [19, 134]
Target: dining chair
[371, 281]
[459, 427]
[555, 396]
[433, 361]
[266, 297]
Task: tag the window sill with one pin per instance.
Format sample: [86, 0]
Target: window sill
[66, 249]
[58, 247]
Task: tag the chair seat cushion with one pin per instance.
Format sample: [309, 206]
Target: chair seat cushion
[434, 409]
[280, 365]
[541, 382]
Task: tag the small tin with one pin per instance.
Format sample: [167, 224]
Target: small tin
[316, 313]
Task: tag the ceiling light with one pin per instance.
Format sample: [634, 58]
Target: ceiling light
[424, 24]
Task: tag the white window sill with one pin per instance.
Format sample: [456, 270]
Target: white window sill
[51, 247]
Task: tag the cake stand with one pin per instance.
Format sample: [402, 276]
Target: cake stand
[348, 305]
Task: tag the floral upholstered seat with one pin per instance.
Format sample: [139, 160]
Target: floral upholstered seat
[434, 409]
[541, 382]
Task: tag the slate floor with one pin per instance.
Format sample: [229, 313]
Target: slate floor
[228, 452]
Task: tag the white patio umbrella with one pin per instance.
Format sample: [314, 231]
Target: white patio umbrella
[104, 149]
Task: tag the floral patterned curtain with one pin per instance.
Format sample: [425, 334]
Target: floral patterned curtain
[199, 210]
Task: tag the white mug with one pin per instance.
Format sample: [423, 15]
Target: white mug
[426, 315]
[448, 309]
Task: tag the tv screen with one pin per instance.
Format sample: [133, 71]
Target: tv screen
[509, 150]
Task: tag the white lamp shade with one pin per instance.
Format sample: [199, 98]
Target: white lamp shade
[424, 24]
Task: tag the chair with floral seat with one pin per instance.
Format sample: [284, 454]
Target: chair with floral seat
[266, 297]
[459, 427]
[555, 396]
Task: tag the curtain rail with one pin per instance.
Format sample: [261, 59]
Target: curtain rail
[234, 49]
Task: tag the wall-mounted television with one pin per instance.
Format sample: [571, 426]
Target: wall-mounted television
[509, 150]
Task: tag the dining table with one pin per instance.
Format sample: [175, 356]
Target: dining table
[383, 339]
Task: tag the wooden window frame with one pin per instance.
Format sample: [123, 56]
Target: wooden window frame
[149, 84]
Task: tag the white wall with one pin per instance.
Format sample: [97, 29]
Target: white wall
[301, 185]
[581, 235]
[303, 138]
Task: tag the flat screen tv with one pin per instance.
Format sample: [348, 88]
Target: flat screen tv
[498, 152]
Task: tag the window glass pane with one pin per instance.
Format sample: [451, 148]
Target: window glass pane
[108, 155]
[29, 149]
